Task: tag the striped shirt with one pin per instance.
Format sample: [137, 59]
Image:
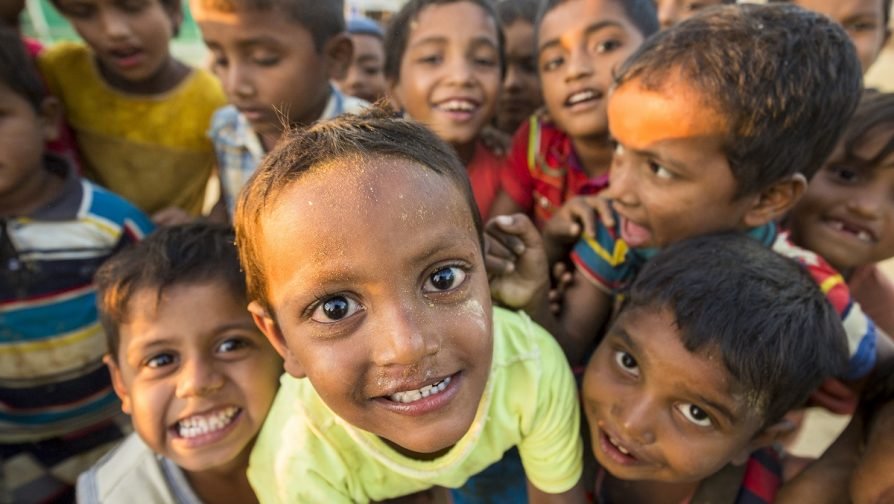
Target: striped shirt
[52, 379]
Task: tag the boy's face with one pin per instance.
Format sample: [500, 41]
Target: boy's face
[269, 66]
[873, 478]
[658, 411]
[671, 12]
[450, 71]
[863, 20]
[198, 387]
[365, 77]
[23, 132]
[670, 179]
[847, 212]
[129, 37]
[580, 43]
[520, 96]
[386, 309]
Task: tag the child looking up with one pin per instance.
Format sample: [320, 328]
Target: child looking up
[365, 78]
[401, 375]
[847, 214]
[139, 114]
[444, 65]
[275, 59]
[580, 43]
[192, 371]
[671, 12]
[59, 411]
[520, 96]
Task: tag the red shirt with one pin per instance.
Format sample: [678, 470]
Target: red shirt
[484, 173]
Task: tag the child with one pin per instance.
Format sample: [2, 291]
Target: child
[444, 64]
[365, 78]
[568, 152]
[671, 12]
[689, 386]
[275, 59]
[59, 411]
[189, 366]
[866, 22]
[408, 368]
[139, 114]
[737, 162]
[847, 214]
[520, 95]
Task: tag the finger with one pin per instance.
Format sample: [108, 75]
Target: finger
[519, 225]
[502, 246]
[498, 266]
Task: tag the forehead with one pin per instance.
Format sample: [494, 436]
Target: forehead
[573, 16]
[454, 20]
[841, 10]
[240, 21]
[640, 118]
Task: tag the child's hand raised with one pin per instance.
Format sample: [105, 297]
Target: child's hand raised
[577, 216]
[516, 262]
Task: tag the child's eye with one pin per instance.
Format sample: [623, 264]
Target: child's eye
[432, 59]
[859, 26]
[627, 362]
[265, 59]
[660, 171]
[844, 174]
[694, 6]
[608, 46]
[553, 64]
[444, 279]
[488, 62]
[78, 10]
[157, 361]
[133, 5]
[695, 414]
[334, 309]
[231, 345]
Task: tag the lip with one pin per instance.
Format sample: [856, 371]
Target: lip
[253, 114]
[851, 230]
[424, 405]
[208, 438]
[583, 99]
[634, 234]
[613, 453]
[127, 57]
[458, 108]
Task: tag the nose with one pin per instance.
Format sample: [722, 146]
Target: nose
[867, 203]
[512, 81]
[236, 81]
[197, 378]
[668, 12]
[636, 418]
[620, 187]
[402, 338]
[460, 71]
[580, 64]
[114, 24]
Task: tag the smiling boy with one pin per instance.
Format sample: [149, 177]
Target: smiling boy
[399, 370]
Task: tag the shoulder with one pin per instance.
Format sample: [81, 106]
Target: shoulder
[65, 61]
[100, 203]
[224, 119]
[128, 470]
[204, 90]
[521, 343]
[65, 52]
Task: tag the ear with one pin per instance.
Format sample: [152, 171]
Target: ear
[767, 437]
[50, 115]
[338, 53]
[268, 325]
[775, 201]
[118, 383]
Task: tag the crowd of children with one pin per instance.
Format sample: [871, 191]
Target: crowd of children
[489, 251]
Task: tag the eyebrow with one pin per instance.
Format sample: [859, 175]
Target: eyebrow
[621, 333]
[593, 28]
[673, 163]
[441, 40]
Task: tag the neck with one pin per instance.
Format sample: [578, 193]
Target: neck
[163, 80]
[224, 484]
[648, 492]
[594, 154]
[31, 194]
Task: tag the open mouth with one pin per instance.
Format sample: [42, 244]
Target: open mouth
[207, 423]
[459, 108]
[410, 396]
[582, 97]
[858, 232]
[634, 234]
[126, 56]
[617, 452]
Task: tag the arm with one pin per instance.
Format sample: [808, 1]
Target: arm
[585, 310]
[574, 495]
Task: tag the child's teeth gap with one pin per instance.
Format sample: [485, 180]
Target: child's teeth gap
[415, 395]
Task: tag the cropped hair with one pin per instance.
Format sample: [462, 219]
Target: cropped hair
[399, 27]
[786, 81]
[878, 393]
[886, 10]
[173, 5]
[511, 11]
[17, 71]
[178, 255]
[323, 19]
[875, 114]
[365, 138]
[641, 13]
[763, 313]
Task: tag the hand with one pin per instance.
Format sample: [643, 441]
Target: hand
[515, 262]
[562, 278]
[577, 216]
[171, 216]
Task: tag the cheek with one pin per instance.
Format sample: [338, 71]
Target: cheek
[149, 411]
[693, 457]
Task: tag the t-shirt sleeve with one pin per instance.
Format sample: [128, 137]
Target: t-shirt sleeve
[516, 177]
[602, 259]
[860, 330]
[552, 450]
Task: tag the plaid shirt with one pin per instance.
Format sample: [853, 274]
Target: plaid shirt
[239, 150]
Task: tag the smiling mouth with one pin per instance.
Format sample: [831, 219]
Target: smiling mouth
[585, 96]
[458, 106]
[411, 396]
[858, 232]
[199, 425]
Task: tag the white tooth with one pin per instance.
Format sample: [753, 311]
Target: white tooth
[836, 225]
[864, 236]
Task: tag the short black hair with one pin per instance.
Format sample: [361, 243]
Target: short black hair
[786, 81]
[886, 10]
[776, 332]
[324, 19]
[186, 254]
[874, 114]
[375, 134]
[17, 71]
[399, 27]
[641, 13]
[171, 5]
[878, 393]
[511, 11]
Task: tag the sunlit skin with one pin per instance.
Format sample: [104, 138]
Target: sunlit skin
[863, 20]
[680, 415]
[520, 96]
[450, 73]
[365, 78]
[269, 66]
[130, 40]
[847, 212]
[374, 306]
[173, 364]
[580, 44]
[873, 479]
[671, 12]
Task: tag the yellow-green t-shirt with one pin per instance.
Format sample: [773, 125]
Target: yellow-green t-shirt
[152, 150]
[306, 453]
